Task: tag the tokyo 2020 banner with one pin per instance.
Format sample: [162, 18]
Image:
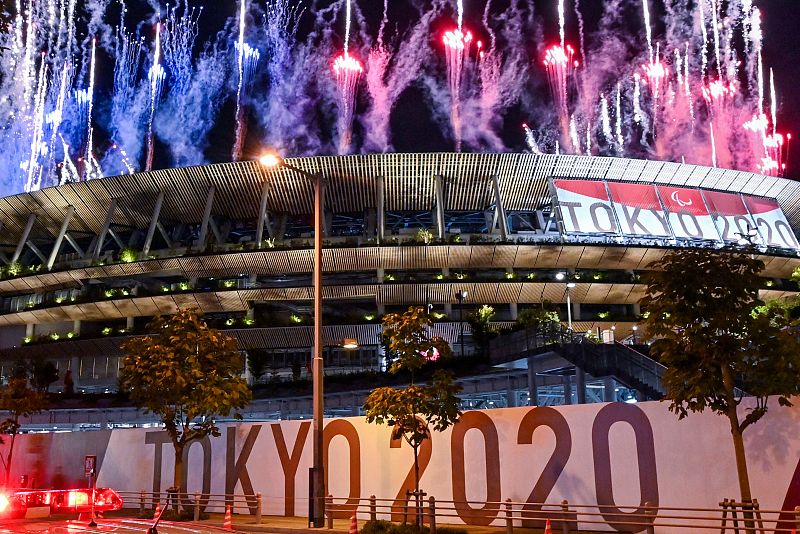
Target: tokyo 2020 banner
[659, 211]
[614, 455]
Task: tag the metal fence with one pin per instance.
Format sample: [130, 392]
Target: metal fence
[564, 517]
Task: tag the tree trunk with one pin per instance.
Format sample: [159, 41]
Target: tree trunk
[738, 449]
[736, 434]
[177, 475]
[741, 461]
[417, 497]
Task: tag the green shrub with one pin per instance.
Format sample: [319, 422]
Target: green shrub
[376, 527]
[387, 527]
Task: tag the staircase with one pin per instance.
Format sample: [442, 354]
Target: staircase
[628, 365]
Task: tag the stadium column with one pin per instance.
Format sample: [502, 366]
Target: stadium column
[439, 214]
[201, 238]
[24, 238]
[263, 218]
[60, 238]
[500, 211]
[151, 229]
[533, 388]
[101, 237]
[580, 385]
[36, 250]
[380, 213]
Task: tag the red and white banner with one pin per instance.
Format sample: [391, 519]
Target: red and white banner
[661, 211]
[771, 222]
[639, 210]
[730, 215]
[616, 455]
[688, 214]
[585, 207]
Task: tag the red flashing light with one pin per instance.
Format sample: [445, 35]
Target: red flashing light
[79, 500]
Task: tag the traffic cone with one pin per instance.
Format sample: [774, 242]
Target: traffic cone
[158, 510]
[228, 524]
[548, 528]
[354, 524]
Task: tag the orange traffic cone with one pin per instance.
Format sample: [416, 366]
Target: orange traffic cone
[354, 524]
[228, 524]
[158, 510]
[548, 528]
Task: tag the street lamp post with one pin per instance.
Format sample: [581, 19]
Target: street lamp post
[635, 328]
[570, 285]
[317, 473]
[461, 296]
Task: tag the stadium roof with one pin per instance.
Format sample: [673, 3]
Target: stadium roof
[408, 184]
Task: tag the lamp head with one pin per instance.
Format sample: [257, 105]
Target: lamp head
[270, 160]
[560, 276]
[570, 285]
[350, 343]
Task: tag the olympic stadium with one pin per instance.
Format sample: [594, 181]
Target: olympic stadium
[89, 263]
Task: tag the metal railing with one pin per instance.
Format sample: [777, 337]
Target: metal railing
[195, 502]
[565, 517]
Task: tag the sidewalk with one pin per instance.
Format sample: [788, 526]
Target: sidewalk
[299, 525]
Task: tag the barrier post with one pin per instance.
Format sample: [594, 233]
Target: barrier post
[565, 516]
[259, 503]
[329, 510]
[373, 508]
[509, 518]
[405, 508]
[197, 506]
[432, 514]
[141, 503]
[650, 511]
[797, 516]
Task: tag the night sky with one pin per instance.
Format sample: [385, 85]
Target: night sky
[781, 29]
[417, 123]
[781, 51]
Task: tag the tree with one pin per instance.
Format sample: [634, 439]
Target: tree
[541, 318]
[187, 374]
[700, 313]
[408, 343]
[480, 322]
[43, 373]
[414, 411]
[18, 400]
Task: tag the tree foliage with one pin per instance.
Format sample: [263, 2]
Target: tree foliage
[413, 412]
[540, 317]
[43, 373]
[18, 401]
[187, 374]
[700, 313]
[408, 342]
[416, 410]
[480, 322]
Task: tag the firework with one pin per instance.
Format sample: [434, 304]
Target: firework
[246, 61]
[347, 70]
[560, 64]
[156, 76]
